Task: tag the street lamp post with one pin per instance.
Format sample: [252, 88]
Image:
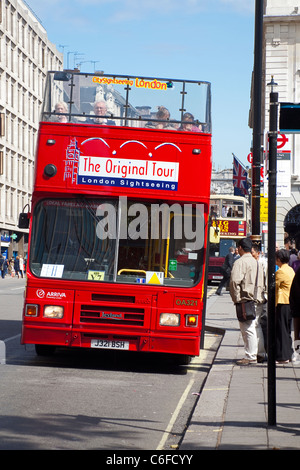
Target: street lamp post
[273, 132]
[257, 122]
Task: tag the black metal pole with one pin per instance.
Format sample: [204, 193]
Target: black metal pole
[273, 130]
[257, 122]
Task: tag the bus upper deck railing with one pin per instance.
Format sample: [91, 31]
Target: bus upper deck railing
[87, 98]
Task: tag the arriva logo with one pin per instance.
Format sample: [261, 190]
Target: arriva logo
[50, 295]
[55, 295]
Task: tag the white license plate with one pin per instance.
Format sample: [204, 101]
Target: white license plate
[107, 344]
[217, 277]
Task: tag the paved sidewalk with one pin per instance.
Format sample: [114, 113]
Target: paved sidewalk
[232, 410]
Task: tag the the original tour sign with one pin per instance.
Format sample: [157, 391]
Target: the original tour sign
[133, 173]
[119, 172]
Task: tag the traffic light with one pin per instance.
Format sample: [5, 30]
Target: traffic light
[289, 120]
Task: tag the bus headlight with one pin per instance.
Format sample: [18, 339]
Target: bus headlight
[53, 311]
[191, 320]
[169, 319]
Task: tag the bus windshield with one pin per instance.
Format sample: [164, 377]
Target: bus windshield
[221, 249]
[117, 240]
[227, 208]
[127, 101]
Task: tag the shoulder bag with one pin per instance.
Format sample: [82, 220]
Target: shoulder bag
[245, 311]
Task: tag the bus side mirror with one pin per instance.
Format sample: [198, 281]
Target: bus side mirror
[214, 235]
[24, 220]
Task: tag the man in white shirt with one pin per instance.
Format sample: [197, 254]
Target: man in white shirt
[245, 275]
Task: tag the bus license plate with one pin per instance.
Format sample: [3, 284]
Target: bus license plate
[217, 277]
[107, 344]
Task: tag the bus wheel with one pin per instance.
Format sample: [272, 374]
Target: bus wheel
[44, 349]
[182, 359]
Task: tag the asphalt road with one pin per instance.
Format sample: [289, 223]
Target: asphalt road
[87, 399]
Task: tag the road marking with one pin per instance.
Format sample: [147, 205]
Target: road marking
[180, 403]
[175, 415]
[2, 353]
[5, 291]
[11, 338]
[3, 348]
[211, 291]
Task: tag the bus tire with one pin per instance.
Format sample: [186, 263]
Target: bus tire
[182, 359]
[44, 350]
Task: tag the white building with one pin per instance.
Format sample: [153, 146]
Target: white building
[26, 55]
[222, 181]
[282, 60]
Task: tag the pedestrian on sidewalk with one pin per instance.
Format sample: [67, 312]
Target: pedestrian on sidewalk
[295, 312]
[21, 265]
[236, 254]
[4, 268]
[226, 268]
[17, 266]
[261, 308]
[2, 259]
[293, 256]
[283, 318]
[11, 268]
[245, 275]
[295, 303]
[296, 264]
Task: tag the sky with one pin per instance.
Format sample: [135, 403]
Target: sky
[209, 40]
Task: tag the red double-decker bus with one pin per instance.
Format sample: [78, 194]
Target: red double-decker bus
[119, 215]
[230, 215]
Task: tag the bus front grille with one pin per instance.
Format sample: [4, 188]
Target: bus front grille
[111, 315]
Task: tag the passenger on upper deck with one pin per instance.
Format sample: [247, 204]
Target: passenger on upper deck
[162, 116]
[224, 211]
[100, 109]
[189, 124]
[60, 108]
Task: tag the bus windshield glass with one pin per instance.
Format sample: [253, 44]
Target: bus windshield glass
[127, 101]
[118, 240]
[227, 208]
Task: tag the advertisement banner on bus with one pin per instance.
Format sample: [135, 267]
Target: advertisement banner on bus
[231, 228]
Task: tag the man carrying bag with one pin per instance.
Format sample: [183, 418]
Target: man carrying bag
[246, 288]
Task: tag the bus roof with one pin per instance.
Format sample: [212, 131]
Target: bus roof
[128, 100]
[228, 196]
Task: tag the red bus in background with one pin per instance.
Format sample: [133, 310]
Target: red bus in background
[119, 215]
[231, 216]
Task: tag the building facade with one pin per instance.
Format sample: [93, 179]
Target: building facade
[282, 61]
[222, 181]
[26, 55]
